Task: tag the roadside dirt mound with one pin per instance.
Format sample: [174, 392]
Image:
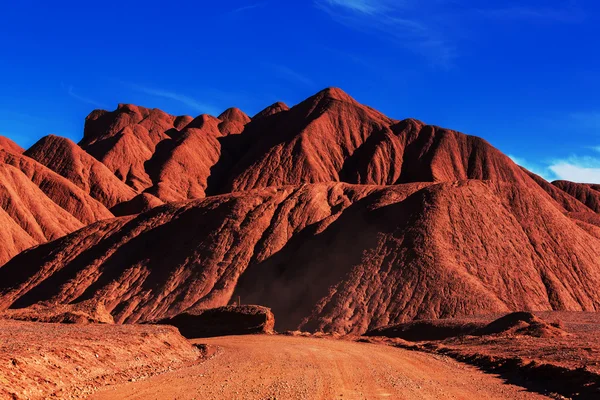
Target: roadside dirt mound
[223, 321]
[70, 161]
[521, 323]
[40, 360]
[81, 313]
[417, 331]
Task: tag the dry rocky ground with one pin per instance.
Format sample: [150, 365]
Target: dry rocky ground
[42, 360]
[555, 352]
[521, 356]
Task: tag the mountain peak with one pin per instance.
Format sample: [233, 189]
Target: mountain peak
[334, 93]
[234, 114]
[234, 121]
[7, 144]
[272, 109]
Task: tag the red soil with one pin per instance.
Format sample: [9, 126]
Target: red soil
[555, 351]
[39, 361]
[258, 367]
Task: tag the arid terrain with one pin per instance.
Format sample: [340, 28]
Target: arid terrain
[331, 217]
[282, 367]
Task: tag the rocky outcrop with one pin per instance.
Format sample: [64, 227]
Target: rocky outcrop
[223, 321]
[68, 160]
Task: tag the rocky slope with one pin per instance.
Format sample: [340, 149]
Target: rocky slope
[9, 145]
[331, 257]
[37, 205]
[335, 216]
[589, 195]
[68, 160]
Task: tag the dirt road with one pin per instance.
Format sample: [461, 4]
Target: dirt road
[282, 367]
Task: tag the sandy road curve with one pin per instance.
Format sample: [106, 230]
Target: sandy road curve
[282, 367]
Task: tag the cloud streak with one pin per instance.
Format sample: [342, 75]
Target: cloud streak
[583, 169]
[291, 75]
[369, 7]
[433, 28]
[249, 7]
[566, 15]
[84, 99]
[190, 102]
[577, 169]
[398, 21]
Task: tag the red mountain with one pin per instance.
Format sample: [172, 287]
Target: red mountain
[335, 216]
[589, 195]
[9, 145]
[68, 160]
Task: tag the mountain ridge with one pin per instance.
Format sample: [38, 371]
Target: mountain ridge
[334, 215]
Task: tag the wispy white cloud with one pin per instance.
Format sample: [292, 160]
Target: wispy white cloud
[436, 28]
[566, 15]
[399, 21]
[583, 169]
[541, 170]
[84, 99]
[249, 7]
[577, 169]
[291, 75]
[363, 6]
[191, 102]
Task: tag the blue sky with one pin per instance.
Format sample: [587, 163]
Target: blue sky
[525, 75]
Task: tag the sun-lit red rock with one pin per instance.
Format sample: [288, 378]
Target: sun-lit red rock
[181, 166]
[337, 217]
[126, 138]
[563, 198]
[27, 216]
[332, 257]
[272, 109]
[9, 145]
[585, 193]
[60, 190]
[233, 121]
[331, 137]
[68, 160]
